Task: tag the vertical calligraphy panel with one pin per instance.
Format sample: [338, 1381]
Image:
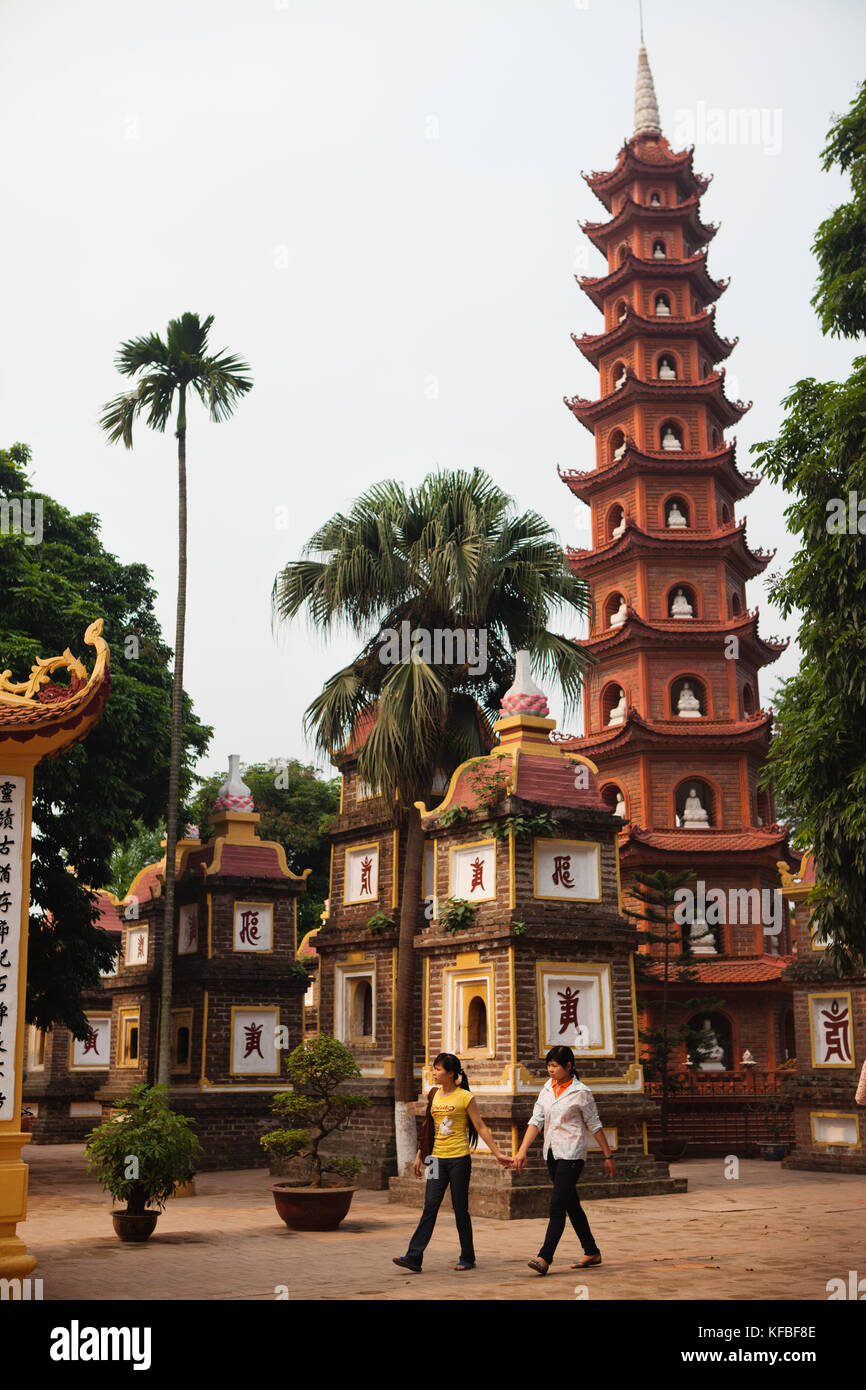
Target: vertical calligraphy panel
[12, 908]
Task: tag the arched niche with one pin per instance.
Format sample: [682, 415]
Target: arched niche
[676, 513]
[671, 437]
[614, 522]
[614, 608]
[615, 445]
[618, 376]
[362, 1009]
[662, 305]
[667, 367]
[620, 310]
[655, 199]
[720, 1052]
[736, 605]
[614, 702]
[681, 597]
[622, 253]
[476, 1022]
[715, 437]
[683, 692]
[614, 798]
[750, 704]
[725, 514]
[686, 813]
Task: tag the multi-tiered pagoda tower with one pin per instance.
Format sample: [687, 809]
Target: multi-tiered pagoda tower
[672, 710]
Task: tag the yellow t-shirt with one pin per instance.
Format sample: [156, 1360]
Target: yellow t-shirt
[449, 1119]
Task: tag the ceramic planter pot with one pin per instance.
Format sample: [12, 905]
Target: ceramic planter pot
[312, 1208]
[129, 1227]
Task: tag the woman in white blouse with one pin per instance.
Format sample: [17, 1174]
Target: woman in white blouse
[565, 1110]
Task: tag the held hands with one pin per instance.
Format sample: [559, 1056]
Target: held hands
[506, 1162]
[518, 1162]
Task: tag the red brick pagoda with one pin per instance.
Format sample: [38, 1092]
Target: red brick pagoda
[672, 712]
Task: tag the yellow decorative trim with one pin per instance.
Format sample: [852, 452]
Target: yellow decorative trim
[209, 901]
[203, 1080]
[452, 785]
[126, 1016]
[512, 887]
[395, 867]
[356, 849]
[618, 875]
[603, 973]
[331, 878]
[354, 958]
[452, 976]
[241, 830]
[634, 1005]
[831, 994]
[645, 1137]
[18, 694]
[512, 1008]
[181, 1018]
[835, 1115]
[791, 886]
[310, 934]
[342, 789]
[459, 849]
[556, 897]
[426, 1013]
[103, 1066]
[466, 960]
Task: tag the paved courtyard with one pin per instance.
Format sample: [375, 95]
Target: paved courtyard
[768, 1235]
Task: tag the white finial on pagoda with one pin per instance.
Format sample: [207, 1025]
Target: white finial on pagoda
[234, 794]
[646, 107]
[524, 697]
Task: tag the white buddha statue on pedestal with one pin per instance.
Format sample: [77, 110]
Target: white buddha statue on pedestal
[680, 607]
[676, 520]
[713, 1054]
[621, 380]
[701, 939]
[619, 617]
[663, 308]
[694, 815]
[619, 529]
[655, 201]
[617, 714]
[667, 370]
[619, 808]
[659, 252]
[618, 453]
[688, 705]
[670, 441]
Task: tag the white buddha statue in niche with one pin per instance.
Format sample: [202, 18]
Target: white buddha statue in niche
[670, 441]
[659, 252]
[618, 453]
[621, 380]
[676, 520]
[663, 309]
[667, 370]
[694, 815]
[623, 310]
[713, 1054]
[702, 942]
[619, 529]
[619, 808]
[617, 714]
[688, 705]
[619, 617]
[655, 201]
[681, 608]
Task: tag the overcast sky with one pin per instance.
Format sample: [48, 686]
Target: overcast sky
[377, 199]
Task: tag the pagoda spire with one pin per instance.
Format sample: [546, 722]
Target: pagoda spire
[646, 107]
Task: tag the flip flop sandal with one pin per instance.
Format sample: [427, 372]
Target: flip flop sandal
[462, 1265]
[538, 1265]
[586, 1261]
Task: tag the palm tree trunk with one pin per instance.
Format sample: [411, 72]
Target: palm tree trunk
[164, 1068]
[404, 1041]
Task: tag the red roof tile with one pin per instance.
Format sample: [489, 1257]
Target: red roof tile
[747, 970]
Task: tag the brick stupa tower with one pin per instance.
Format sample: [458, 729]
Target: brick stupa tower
[672, 710]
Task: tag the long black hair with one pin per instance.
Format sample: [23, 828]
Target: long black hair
[454, 1067]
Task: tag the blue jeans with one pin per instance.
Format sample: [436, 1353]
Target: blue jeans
[454, 1172]
[565, 1202]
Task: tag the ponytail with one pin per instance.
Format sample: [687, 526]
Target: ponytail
[455, 1068]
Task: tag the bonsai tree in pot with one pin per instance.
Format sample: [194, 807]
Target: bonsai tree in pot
[140, 1155]
[311, 1112]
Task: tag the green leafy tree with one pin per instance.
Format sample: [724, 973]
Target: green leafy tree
[143, 847]
[89, 799]
[297, 807]
[312, 1110]
[818, 753]
[168, 372]
[448, 556]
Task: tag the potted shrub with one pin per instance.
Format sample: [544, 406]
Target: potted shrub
[139, 1155]
[312, 1111]
[775, 1148]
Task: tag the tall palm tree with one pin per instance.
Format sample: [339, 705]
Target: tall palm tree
[449, 555]
[181, 363]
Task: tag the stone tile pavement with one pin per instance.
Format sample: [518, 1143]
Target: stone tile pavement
[770, 1234]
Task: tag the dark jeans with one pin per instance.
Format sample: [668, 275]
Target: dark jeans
[456, 1172]
[565, 1202]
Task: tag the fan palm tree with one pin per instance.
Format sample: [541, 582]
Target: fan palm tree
[180, 364]
[449, 555]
